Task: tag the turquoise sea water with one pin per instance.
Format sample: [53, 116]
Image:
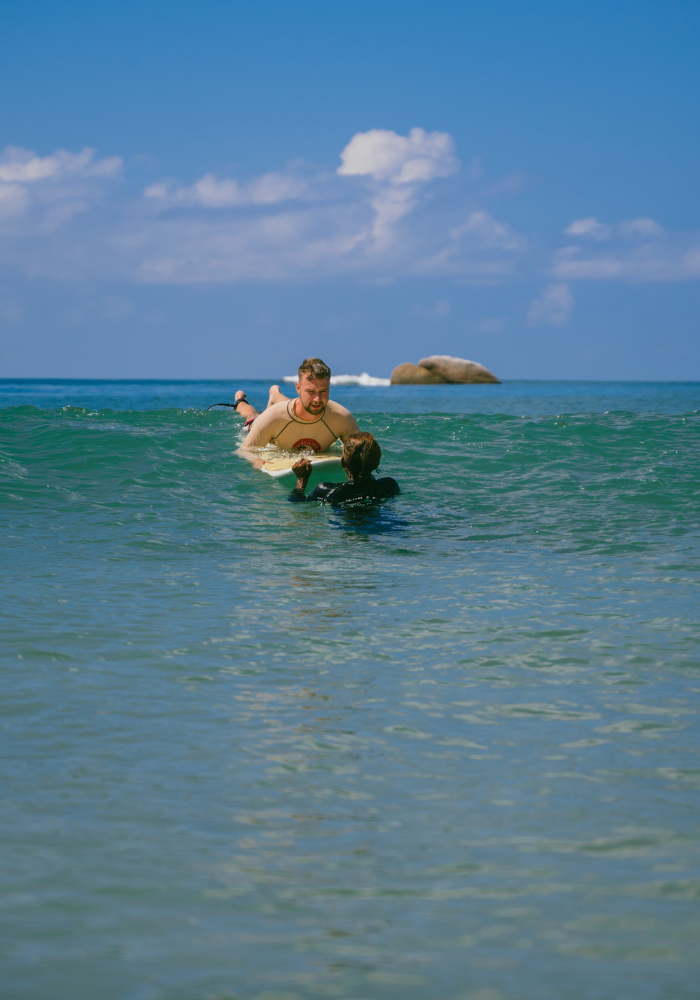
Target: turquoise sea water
[446, 747]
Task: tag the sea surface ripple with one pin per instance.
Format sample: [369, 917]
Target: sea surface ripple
[443, 748]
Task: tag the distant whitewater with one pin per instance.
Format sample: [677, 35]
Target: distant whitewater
[363, 379]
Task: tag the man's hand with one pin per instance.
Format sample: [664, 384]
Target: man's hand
[257, 463]
[303, 471]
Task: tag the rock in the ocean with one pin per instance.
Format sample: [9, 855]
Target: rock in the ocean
[456, 369]
[408, 374]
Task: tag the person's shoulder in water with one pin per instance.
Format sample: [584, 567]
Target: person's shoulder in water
[361, 456]
[367, 490]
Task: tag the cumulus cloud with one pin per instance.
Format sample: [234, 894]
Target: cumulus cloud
[640, 229]
[279, 246]
[393, 169]
[480, 226]
[390, 209]
[24, 166]
[553, 307]
[60, 182]
[369, 215]
[635, 250]
[418, 157]
[209, 192]
[14, 199]
[481, 249]
[385, 212]
[382, 213]
[629, 229]
[589, 227]
[397, 166]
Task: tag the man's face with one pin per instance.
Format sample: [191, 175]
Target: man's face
[313, 393]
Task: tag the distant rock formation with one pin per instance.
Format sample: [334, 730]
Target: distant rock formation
[457, 369]
[441, 368]
[409, 374]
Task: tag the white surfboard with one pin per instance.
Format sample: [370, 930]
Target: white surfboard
[283, 466]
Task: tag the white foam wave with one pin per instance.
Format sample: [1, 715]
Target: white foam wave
[363, 379]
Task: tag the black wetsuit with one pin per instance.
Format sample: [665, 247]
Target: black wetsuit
[368, 489]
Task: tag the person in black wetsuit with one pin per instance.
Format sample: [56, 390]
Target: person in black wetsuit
[361, 455]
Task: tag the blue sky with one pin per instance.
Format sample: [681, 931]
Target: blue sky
[219, 189]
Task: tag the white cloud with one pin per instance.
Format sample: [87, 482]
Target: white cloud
[159, 191]
[552, 307]
[390, 205]
[59, 186]
[480, 250]
[397, 165]
[636, 250]
[209, 192]
[354, 226]
[640, 229]
[385, 213]
[13, 199]
[280, 246]
[629, 229]
[325, 229]
[382, 154]
[589, 227]
[23, 165]
[480, 226]
[382, 213]
[272, 188]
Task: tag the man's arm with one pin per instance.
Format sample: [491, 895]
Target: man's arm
[260, 434]
[261, 431]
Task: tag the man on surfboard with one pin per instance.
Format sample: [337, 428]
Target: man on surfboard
[311, 422]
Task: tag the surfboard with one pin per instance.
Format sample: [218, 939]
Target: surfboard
[283, 466]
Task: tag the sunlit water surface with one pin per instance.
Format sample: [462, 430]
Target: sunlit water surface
[445, 747]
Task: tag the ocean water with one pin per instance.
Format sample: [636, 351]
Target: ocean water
[442, 748]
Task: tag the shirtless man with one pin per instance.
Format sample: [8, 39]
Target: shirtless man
[311, 422]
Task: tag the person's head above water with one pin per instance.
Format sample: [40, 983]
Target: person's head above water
[314, 385]
[361, 455]
[314, 368]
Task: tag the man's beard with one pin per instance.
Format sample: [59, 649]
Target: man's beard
[316, 409]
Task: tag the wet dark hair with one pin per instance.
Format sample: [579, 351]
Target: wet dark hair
[314, 368]
[361, 455]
